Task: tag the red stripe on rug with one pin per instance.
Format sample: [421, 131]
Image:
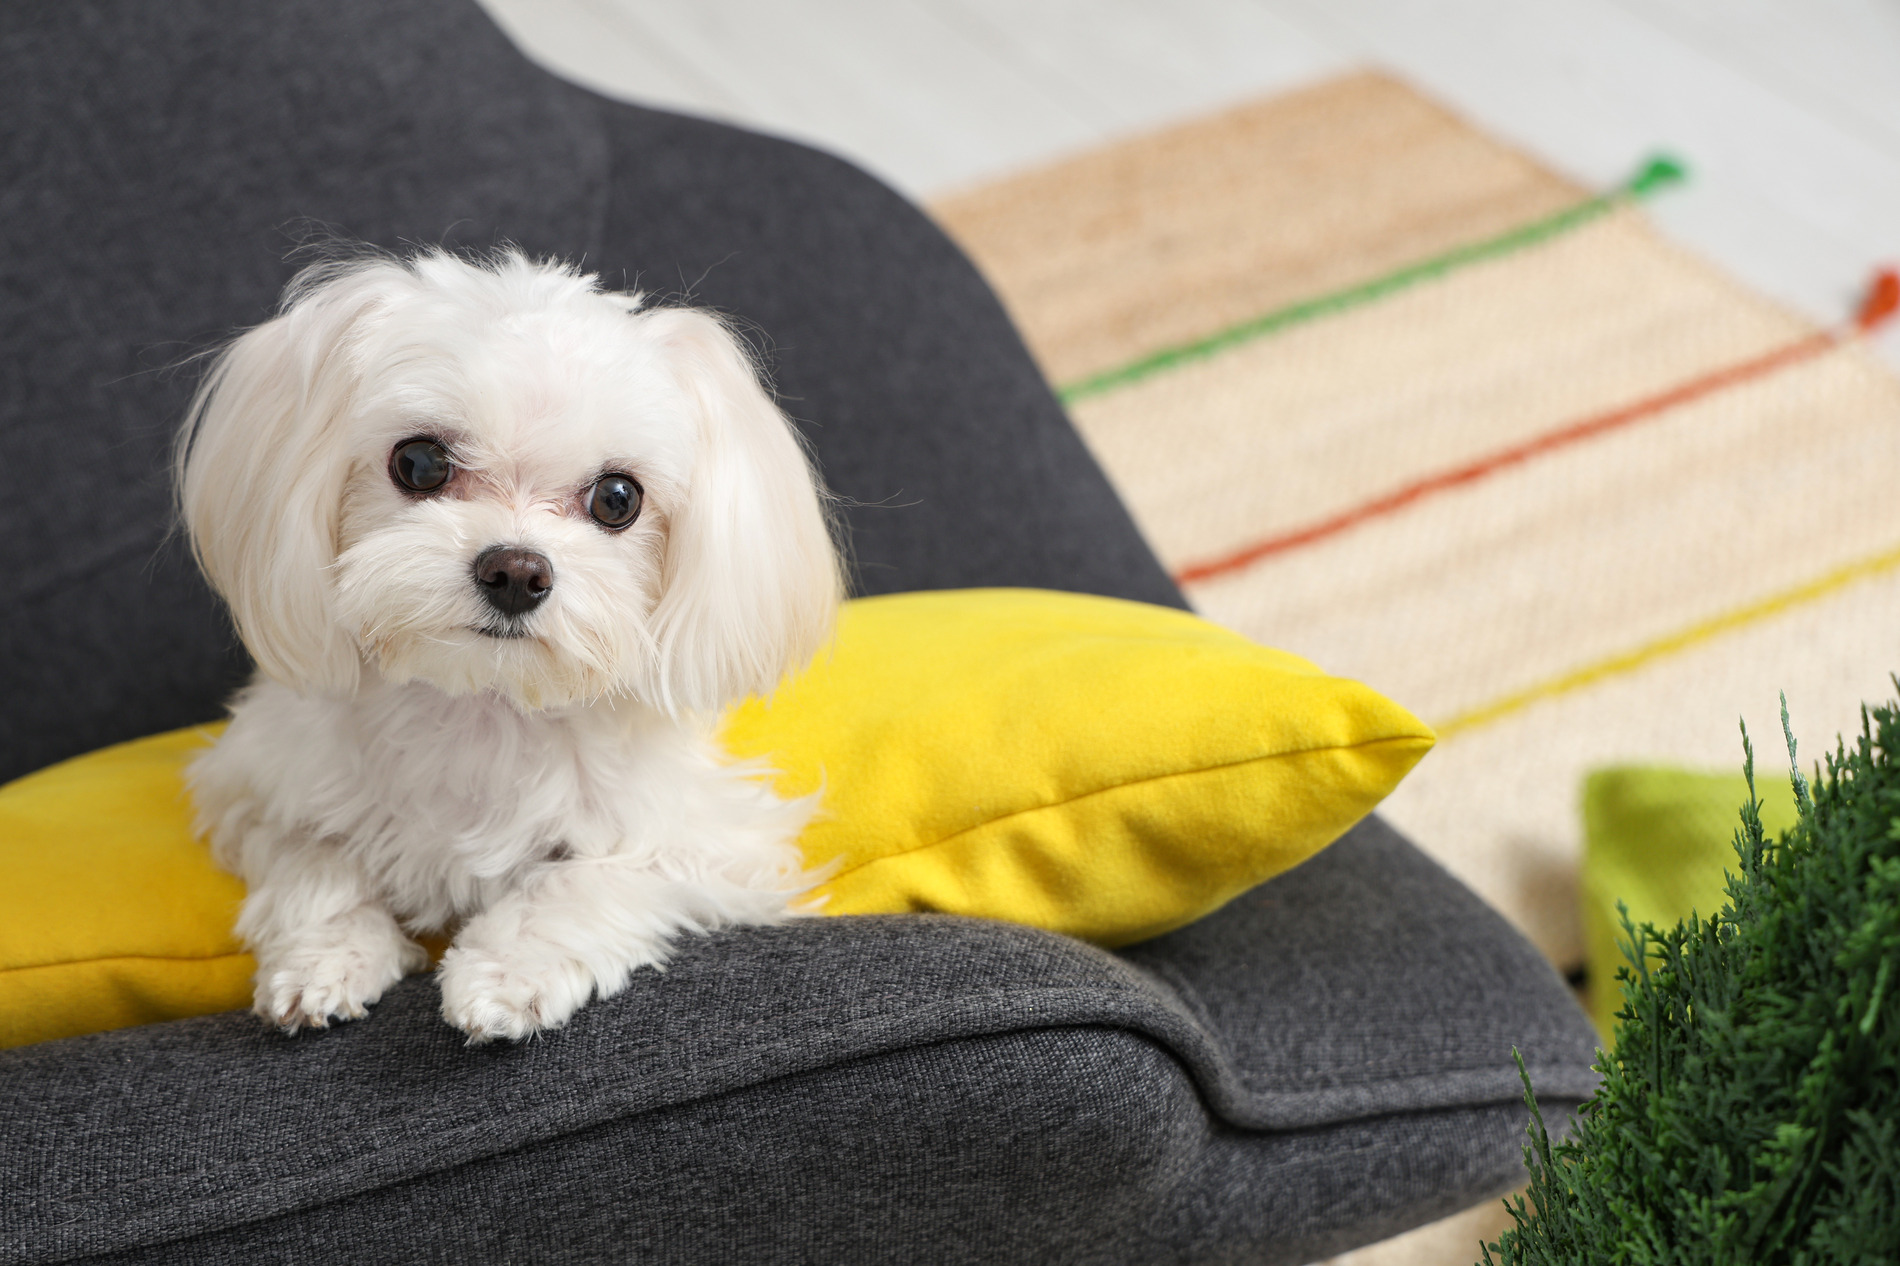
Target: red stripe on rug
[1881, 304]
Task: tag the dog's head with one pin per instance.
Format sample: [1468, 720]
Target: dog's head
[494, 476]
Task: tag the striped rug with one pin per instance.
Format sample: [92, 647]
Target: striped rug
[1386, 393]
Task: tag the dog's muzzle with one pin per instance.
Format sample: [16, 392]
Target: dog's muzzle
[513, 580]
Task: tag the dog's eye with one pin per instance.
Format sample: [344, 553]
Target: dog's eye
[614, 501]
[420, 465]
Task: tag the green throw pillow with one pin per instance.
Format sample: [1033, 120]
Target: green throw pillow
[1661, 840]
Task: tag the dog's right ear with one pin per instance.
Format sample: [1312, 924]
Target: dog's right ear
[260, 469]
[750, 582]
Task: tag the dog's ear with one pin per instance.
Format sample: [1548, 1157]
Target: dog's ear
[260, 470]
[750, 583]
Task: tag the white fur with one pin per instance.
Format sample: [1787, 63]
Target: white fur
[554, 796]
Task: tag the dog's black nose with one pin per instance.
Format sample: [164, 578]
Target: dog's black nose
[513, 579]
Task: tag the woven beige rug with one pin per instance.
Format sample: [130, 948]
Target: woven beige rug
[1385, 393]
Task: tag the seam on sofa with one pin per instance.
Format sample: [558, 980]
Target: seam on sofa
[1198, 1056]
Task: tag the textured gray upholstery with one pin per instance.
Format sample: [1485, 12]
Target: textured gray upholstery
[1323, 1062]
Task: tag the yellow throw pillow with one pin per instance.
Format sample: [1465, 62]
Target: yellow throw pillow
[111, 914]
[1106, 769]
[1101, 768]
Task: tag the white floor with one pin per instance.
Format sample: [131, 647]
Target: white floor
[1788, 111]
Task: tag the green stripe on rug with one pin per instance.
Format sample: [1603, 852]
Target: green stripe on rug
[1658, 173]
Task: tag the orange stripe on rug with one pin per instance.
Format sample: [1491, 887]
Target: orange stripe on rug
[1629, 661]
[1881, 304]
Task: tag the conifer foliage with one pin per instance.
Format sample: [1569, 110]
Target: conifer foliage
[1751, 1110]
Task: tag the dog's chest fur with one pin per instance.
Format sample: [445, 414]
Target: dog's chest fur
[443, 801]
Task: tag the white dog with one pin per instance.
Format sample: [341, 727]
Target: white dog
[500, 543]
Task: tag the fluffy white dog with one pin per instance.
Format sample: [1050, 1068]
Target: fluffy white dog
[500, 543]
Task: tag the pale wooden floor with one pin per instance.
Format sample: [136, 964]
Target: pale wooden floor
[1787, 110]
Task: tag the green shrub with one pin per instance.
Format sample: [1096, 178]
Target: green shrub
[1751, 1110]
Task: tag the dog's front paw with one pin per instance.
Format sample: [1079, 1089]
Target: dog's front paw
[334, 978]
[490, 995]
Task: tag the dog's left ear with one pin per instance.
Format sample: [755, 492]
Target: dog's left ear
[750, 581]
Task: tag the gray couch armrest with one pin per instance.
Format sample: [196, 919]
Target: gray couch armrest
[1325, 1061]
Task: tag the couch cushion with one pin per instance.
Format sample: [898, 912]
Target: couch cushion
[1354, 1018]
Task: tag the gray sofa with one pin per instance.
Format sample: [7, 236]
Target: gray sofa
[1324, 1062]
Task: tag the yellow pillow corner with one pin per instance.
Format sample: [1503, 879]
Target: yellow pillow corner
[1101, 768]
[111, 914]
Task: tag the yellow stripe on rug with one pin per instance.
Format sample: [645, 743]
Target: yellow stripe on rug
[1497, 804]
[1673, 644]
